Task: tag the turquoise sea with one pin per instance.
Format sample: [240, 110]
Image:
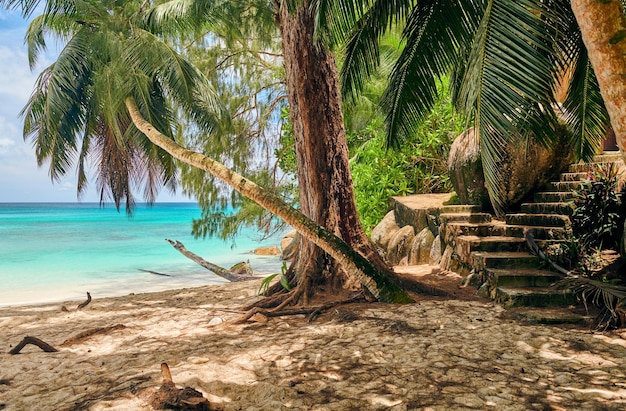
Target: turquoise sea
[58, 251]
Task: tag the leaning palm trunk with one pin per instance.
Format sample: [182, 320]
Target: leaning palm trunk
[603, 28]
[381, 286]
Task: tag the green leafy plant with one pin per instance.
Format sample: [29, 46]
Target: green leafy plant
[284, 281]
[418, 166]
[597, 223]
[598, 218]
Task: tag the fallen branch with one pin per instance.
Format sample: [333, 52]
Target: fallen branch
[220, 271]
[80, 337]
[34, 341]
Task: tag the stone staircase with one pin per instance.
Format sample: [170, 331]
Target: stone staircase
[493, 253]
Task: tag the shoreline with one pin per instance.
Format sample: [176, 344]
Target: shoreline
[433, 354]
[121, 285]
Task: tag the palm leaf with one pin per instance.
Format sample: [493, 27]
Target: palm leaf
[506, 99]
[434, 34]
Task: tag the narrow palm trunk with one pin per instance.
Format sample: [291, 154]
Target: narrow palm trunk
[376, 282]
[326, 190]
[603, 27]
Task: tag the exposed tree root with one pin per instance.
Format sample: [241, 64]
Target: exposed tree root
[169, 397]
[35, 341]
[311, 312]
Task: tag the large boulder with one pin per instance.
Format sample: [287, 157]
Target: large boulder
[465, 169]
[400, 244]
[419, 253]
[382, 233]
[524, 166]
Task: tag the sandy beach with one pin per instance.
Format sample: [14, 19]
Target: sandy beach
[436, 354]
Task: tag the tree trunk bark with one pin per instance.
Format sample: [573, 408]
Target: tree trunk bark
[603, 27]
[380, 285]
[325, 181]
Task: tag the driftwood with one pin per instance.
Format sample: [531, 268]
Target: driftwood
[35, 341]
[80, 337]
[155, 273]
[170, 397]
[220, 271]
[80, 306]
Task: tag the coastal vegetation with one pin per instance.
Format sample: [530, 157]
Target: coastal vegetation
[122, 93]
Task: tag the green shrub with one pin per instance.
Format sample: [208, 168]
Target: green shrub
[598, 219]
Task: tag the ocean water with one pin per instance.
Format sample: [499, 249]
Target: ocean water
[58, 251]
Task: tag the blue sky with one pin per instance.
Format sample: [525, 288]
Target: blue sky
[21, 180]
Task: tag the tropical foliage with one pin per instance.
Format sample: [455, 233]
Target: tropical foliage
[506, 58]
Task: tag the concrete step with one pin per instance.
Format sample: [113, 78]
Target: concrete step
[553, 196]
[477, 218]
[533, 297]
[541, 220]
[520, 277]
[504, 260]
[461, 209]
[564, 186]
[573, 176]
[565, 208]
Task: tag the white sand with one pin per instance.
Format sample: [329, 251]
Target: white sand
[433, 355]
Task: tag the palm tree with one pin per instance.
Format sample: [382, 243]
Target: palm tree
[505, 58]
[116, 71]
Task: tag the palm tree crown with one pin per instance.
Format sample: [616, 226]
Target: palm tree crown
[77, 113]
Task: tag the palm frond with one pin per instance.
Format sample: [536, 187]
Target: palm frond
[507, 99]
[434, 34]
[361, 53]
[608, 297]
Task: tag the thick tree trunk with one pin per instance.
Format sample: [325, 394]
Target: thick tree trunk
[603, 27]
[325, 182]
[379, 284]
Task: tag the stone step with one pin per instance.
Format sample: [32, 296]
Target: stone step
[477, 218]
[458, 228]
[565, 208]
[553, 196]
[573, 176]
[541, 220]
[564, 186]
[533, 297]
[538, 233]
[461, 209]
[585, 167]
[608, 157]
[504, 260]
[520, 277]
[552, 315]
[469, 243]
